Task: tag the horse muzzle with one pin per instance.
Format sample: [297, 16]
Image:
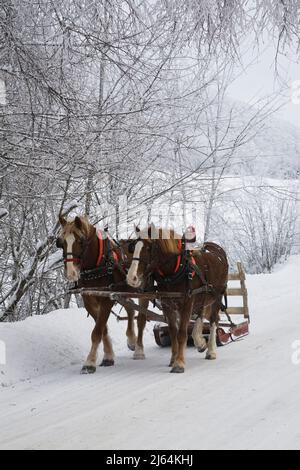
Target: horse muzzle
[134, 281]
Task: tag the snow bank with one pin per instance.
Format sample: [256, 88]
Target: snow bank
[44, 344]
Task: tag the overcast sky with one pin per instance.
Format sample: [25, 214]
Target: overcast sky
[259, 80]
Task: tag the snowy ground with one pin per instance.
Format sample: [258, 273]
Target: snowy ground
[247, 399]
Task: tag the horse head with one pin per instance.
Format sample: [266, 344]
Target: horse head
[73, 240]
[145, 256]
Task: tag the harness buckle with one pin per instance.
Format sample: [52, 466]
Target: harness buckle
[110, 270]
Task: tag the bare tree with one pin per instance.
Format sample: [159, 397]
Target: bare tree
[107, 99]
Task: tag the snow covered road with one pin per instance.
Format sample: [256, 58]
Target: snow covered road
[247, 399]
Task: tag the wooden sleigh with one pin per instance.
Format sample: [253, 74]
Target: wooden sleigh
[228, 331]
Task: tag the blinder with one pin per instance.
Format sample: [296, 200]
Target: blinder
[59, 243]
[131, 247]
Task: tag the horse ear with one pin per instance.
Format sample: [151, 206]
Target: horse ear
[153, 229]
[78, 223]
[62, 220]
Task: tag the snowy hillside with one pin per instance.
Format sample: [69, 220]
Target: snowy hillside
[271, 147]
[248, 398]
[274, 151]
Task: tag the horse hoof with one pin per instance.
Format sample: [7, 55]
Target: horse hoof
[88, 370]
[211, 356]
[139, 357]
[202, 350]
[131, 347]
[107, 363]
[177, 370]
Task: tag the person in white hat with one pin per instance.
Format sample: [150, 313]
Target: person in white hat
[190, 238]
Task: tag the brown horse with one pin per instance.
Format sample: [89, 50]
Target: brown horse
[94, 261]
[177, 270]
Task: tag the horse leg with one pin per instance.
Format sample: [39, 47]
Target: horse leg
[172, 319]
[109, 357]
[139, 353]
[211, 354]
[173, 331]
[186, 311]
[103, 312]
[130, 333]
[199, 340]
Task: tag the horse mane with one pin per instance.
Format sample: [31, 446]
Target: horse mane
[168, 245]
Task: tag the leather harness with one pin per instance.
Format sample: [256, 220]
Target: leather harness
[107, 260]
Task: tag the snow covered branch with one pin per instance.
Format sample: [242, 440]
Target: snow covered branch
[3, 213]
[28, 275]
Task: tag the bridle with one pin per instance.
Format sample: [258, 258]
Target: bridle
[78, 259]
[107, 259]
[132, 247]
[73, 259]
[150, 265]
[140, 260]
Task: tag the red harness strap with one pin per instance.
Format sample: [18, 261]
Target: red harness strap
[101, 250]
[194, 263]
[100, 255]
[72, 260]
[179, 257]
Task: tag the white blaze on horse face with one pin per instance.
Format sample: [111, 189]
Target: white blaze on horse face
[132, 276]
[71, 269]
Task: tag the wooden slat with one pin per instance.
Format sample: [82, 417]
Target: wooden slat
[235, 292]
[243, 286]
[234, 277]
[236, 311]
